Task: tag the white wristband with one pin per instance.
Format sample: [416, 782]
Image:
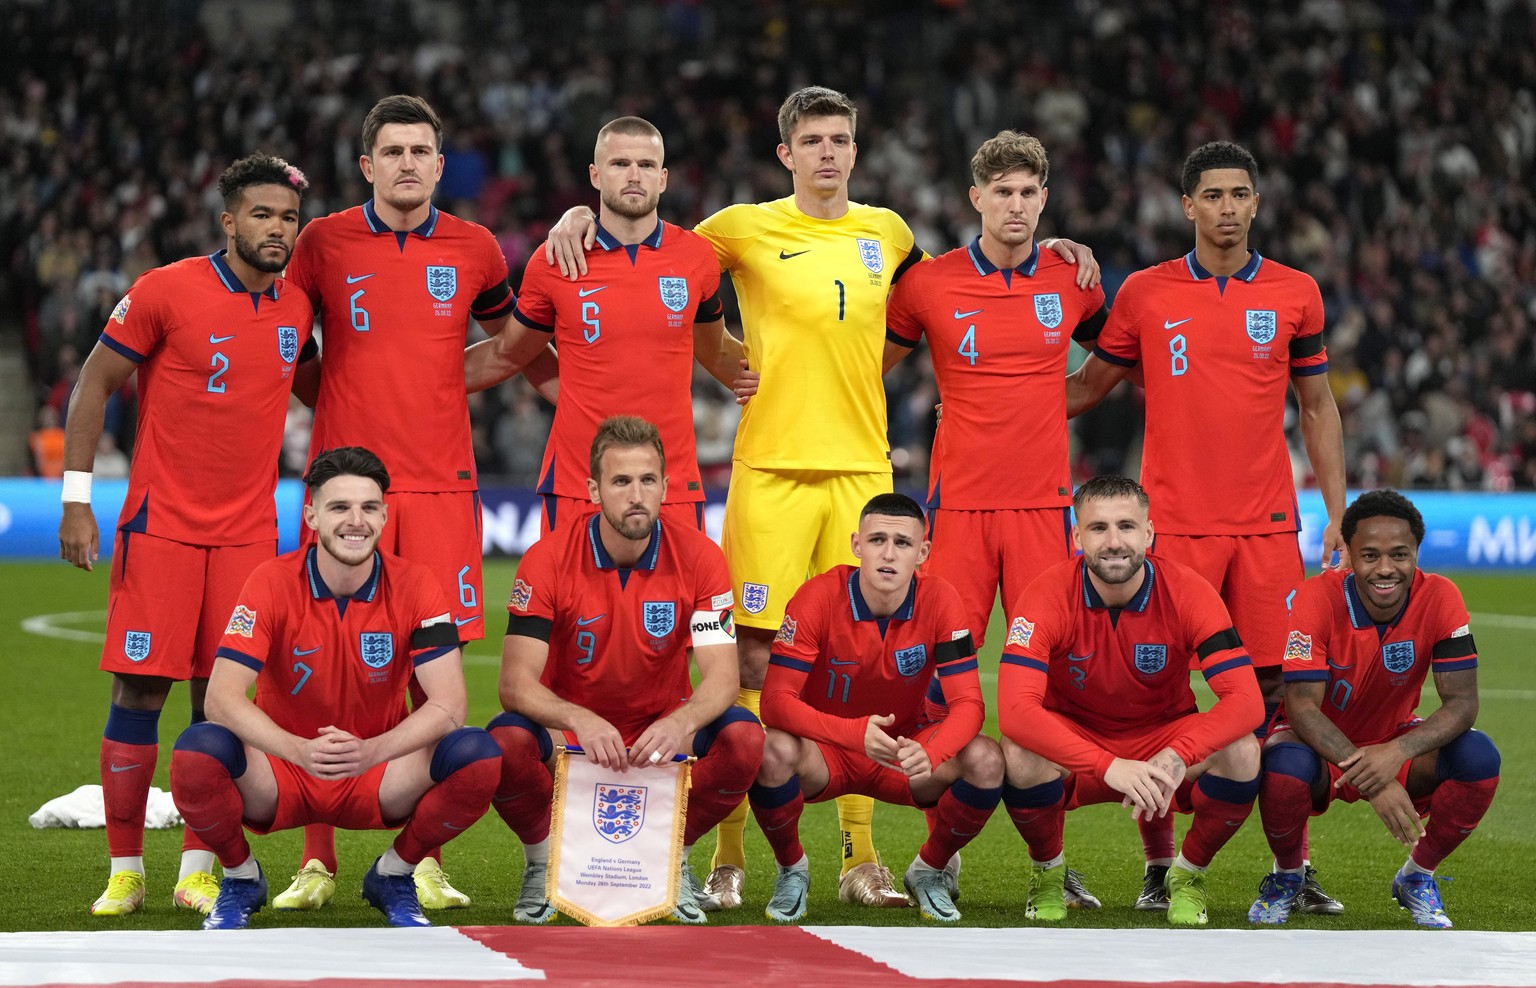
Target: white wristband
[77, 487]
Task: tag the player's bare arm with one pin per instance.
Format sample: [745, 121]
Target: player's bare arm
[1372, 767]
[570, 239]
[508, 350]
[1088, 385]
[719, 683]
[722, 354]
[543, 372]
[327, 756]
[306, 382]
[443, 710]
[522, 664]
[893, 354]
[1303, 708]
[1323, 436]
[104, 372]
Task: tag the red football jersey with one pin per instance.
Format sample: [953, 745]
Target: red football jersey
[394, 318]
[835, 664]
[1121, 670]
[1000, 355]
[323, 659]
[1375, 672]
[625, 337]
[618, 638]
[215, 368]
[1217, 355]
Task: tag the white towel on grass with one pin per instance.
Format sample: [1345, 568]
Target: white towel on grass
[86, 807]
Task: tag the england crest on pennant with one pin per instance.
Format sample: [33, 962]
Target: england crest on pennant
[870, 254]
[1048, 310]
[442, 281]
[136, 645]
[288, 343]
[377, 648]
[910, 661]
[618, 812]
[1151, 659]
[674, 293]
[1261, 325]
[660, 617]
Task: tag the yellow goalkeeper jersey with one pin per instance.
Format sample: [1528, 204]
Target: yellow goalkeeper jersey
[812, 294]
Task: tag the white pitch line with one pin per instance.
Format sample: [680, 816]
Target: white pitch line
[49, 626]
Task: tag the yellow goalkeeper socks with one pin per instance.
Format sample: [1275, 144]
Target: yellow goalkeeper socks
[856, 816]
[729, 848]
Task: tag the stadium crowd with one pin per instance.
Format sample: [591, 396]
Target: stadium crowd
[1397, 143]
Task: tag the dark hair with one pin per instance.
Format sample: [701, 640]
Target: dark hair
[624, 432]
[894, 505]
[349, 461]
[259, 169]
[814, 101]
[1217, 154]
[400, 109]
[1007, 152]
[1107, 486]
[1381, 504]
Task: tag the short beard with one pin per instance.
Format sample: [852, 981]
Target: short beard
[635, 532]
[251, 254]
[619, 205]
[1130, 572]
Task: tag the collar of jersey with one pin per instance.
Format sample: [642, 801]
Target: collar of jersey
[604, 561]
[860, 607]
[1359, 616]
[379, 226]
[227, 276]
[1092, 599]
[608, 241]
[1247, 272]
[320, 591]
[985, 267]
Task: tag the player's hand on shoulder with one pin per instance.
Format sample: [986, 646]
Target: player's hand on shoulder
[913, 759]
[877, 744]
[1372, 767]
[1146, 787]
[1079, 254]
[570, 239]
[1395, 808]
[602, 742]
[79, 541]
[658, 743]
[745, 383]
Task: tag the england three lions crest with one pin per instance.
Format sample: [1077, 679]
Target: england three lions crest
[1151, 659]
[136, 645]
[618, 812]
[1397, 656]
[288, 343]
[1048, 310]
[377, 648]
[871, 255]
[674, 293]
[754, 597]
[1261, 325]
[910, 661]
[660, 617]
[442, 282]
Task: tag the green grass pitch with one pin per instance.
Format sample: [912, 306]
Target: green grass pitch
[56, 703]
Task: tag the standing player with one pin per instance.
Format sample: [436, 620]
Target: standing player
[395, 282]
[812, 273]
[603, 614]
[627, 332]
[215, 340]
[1219, 334]
[1360, 646]
[843, 704]
[1095, 706]
[327, 738]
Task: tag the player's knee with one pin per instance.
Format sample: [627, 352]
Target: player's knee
[780, 753]
[982, 763]
[1023, 768]
[461, 749]
[704, 738]
[506, 728]
[1239, 760]
[217, 742]
[1470, 757]
[1294, 759]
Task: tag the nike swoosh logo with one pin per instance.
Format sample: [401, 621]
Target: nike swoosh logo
[1334, 665]
[1079, 658]
[584, 292]
[199, 830]
[583, 622]
[306, 651]
[220, 339]
[461, 622]
[784, 257]
[452, 827]
[116, 768]
[354, 279]
[843, 662]
[967, 315]
[1173, 325]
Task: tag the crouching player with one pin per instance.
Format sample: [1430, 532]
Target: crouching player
[603, 614]
[843, 701]
[330, 636]
[1095, 706]
[1360, 646]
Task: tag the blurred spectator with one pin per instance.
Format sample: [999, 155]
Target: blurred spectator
[46, 444]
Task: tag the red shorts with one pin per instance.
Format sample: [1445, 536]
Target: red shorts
[441, 532]
[560, 511]
[351, 804]
[1347, 793]
[978, 551]
[168, 603]
[855, 772]
[1255, 575]
[1089, 788]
